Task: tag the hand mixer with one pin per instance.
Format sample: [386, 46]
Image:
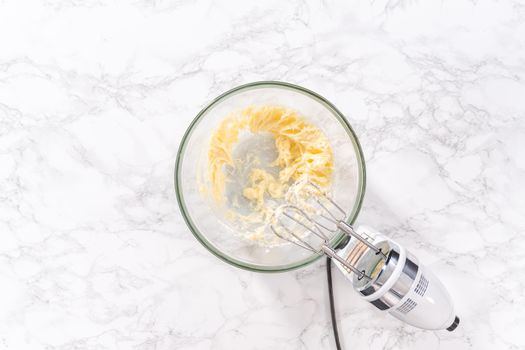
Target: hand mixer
[384, 272]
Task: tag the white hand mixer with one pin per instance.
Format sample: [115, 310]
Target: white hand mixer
[384, 272]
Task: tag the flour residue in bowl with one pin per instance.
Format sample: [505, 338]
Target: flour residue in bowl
[255, 155]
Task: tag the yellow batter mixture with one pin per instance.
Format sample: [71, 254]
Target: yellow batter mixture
[303, 154]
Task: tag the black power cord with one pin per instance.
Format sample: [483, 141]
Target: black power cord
[332, 306]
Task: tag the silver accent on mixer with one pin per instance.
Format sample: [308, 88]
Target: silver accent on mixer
[402, 284]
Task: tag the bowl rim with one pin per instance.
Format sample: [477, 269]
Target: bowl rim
[180, 157]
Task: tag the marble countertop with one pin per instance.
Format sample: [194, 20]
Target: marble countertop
[95, 96]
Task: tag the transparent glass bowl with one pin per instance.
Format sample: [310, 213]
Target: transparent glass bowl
[199, 211]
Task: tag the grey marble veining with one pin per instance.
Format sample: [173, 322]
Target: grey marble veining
[94, 99]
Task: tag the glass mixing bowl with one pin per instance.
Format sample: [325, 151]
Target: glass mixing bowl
[199, 211]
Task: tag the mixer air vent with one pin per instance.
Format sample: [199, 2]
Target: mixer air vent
[422, 286]
[408, 305]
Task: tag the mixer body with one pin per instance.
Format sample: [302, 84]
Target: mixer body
[427, 305]
[400, 284]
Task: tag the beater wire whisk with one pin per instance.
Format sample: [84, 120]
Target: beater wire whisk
[317, 224]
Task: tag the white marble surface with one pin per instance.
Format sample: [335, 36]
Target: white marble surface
[95, 96]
